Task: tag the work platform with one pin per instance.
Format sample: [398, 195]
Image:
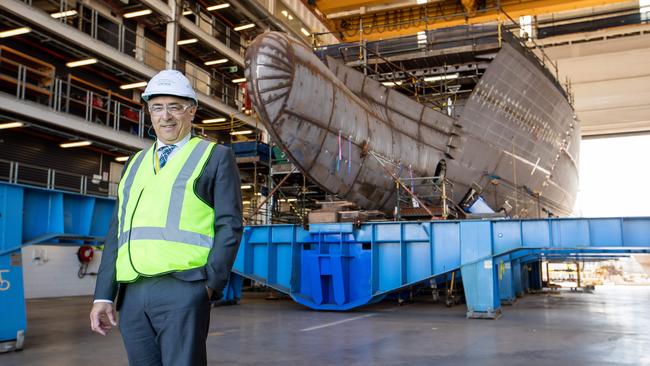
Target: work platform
[333, 266]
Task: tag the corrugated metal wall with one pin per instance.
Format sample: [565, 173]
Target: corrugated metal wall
[42, 152]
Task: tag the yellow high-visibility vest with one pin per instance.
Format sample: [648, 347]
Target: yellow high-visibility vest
[163, 225]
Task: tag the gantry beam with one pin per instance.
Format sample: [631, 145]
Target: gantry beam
[448, 13]
[333, 6]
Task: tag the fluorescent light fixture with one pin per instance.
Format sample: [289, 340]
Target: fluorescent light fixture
[420, 2]
[187, 41]
[391, 83]
[289, 200]
[216, 62]
[138, 13]
[286, 14]
[217, 7]
[75, 144]
[122, 158]
[246, 186]
[69, 13]
[240, 80]
[134, 85]
[245, 202]
[305, 32]
[422, 37]
[15, 32]
[244, 132]
[214, 120]
[441, 77]
[4, 126]
[245, 26]
[187, 12]
[88, 61]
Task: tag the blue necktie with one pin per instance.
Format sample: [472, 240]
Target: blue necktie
[165, 151]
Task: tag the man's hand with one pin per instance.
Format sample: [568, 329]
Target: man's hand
[102, 317]
[210, 291]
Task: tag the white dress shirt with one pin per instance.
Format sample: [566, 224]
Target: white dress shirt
[178, 144]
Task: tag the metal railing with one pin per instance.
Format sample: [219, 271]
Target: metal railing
[114, 34]
[72, 97]
[14, 172]
[99, 107]
[31, 81]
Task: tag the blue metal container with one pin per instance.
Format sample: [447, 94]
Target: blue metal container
[12, 298]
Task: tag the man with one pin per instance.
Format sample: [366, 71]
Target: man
[173, 238]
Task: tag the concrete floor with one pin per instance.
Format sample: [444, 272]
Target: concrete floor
[608, 327]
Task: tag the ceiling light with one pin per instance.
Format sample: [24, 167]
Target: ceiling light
[290, 17]
[305, 32]
[187, 41]
[245, 26]
[217, 7]
[62, 14]
[15, 32]
[246, 202]
[122, 158]
[214, 120]
[420, 2]
[391, 83]
[4, 126]
[75, 144]
[285, 13]
[187, 12]
[88, 61]
[138, 13]
[441, 77]
[215, 62]
[134, 85]
[246, 186]
[240, 80]
[244, 132]
[288, 200]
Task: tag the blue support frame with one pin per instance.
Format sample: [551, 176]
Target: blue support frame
[336, 266]
[340, 267]
[30, 215]
[507, 293]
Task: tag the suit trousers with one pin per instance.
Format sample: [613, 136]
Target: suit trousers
[164, 321]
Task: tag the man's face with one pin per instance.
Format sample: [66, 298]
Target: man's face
[171, 117]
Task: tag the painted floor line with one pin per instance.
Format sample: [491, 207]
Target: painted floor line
[336, 322]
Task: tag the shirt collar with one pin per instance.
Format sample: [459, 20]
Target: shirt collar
[178, 144]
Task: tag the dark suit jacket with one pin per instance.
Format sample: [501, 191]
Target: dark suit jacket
[218, 185]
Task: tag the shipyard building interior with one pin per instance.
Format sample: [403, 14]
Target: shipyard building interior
[423, 182]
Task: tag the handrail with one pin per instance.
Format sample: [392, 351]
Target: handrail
[38, 176]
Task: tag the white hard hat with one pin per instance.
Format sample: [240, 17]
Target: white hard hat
[169, 82]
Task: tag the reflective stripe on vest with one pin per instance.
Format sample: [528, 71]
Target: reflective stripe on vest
[161, 243]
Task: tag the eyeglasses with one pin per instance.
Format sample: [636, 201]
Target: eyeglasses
[175, 109]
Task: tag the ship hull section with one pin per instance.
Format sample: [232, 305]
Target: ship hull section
[328, 117]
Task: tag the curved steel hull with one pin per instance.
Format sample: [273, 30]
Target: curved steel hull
[517, 129]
